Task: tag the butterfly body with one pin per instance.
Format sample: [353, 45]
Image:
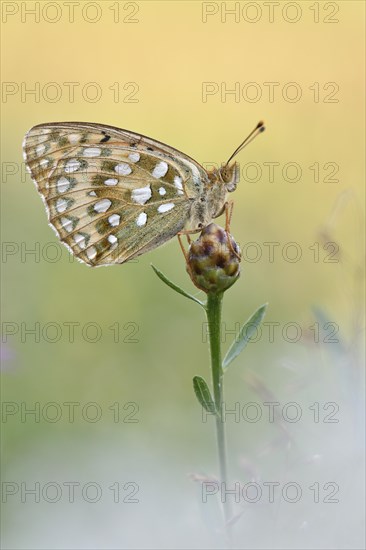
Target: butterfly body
[112, 195]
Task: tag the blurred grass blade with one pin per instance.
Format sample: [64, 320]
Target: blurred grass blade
[203, 394]
[245, 334]
[327, 331]
[176, 287]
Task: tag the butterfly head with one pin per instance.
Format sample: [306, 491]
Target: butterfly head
[230, 174]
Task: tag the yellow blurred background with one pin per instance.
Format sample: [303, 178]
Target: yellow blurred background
[198, 77]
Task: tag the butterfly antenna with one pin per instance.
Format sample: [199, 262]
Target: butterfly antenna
[253, 134]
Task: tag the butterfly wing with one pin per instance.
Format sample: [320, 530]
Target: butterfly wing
[111, 194]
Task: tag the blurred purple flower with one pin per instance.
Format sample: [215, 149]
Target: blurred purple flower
[7, 356]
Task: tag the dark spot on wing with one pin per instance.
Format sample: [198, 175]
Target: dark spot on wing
[106, 138]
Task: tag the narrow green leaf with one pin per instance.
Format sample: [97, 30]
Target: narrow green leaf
[245, 334]
[176, 287]
[327, 331]
[203, 394]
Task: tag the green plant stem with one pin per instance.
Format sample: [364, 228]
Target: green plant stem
[213, 312]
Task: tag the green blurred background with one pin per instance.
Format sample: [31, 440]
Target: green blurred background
[159, 55]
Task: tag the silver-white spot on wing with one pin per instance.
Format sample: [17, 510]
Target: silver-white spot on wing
[40, 149]
[141, 219]
[123, 169]
[66, 224]
[114, 220]
[160, 170]
[72, 165]
[112, 239]
[134, 157]
[141, 195]
[74, 138]
[165, 207]
[111, 181]
[91, 252]
[80, 240]
[61, 205]
[102, 206]
[63, 184]
[92, 152]
[178, 185]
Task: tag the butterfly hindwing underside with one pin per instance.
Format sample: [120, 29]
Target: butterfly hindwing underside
[111, 194]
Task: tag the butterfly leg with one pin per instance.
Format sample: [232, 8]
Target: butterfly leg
[179, 235]
[187, 233]
[229, 206]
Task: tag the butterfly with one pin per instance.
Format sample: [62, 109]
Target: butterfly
[112, 195]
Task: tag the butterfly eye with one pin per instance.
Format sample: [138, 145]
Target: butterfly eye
[230, 176]
[225, 174]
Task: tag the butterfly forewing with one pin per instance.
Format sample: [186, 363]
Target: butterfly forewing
[111, 194]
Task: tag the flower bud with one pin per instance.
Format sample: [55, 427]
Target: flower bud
[213, 260]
